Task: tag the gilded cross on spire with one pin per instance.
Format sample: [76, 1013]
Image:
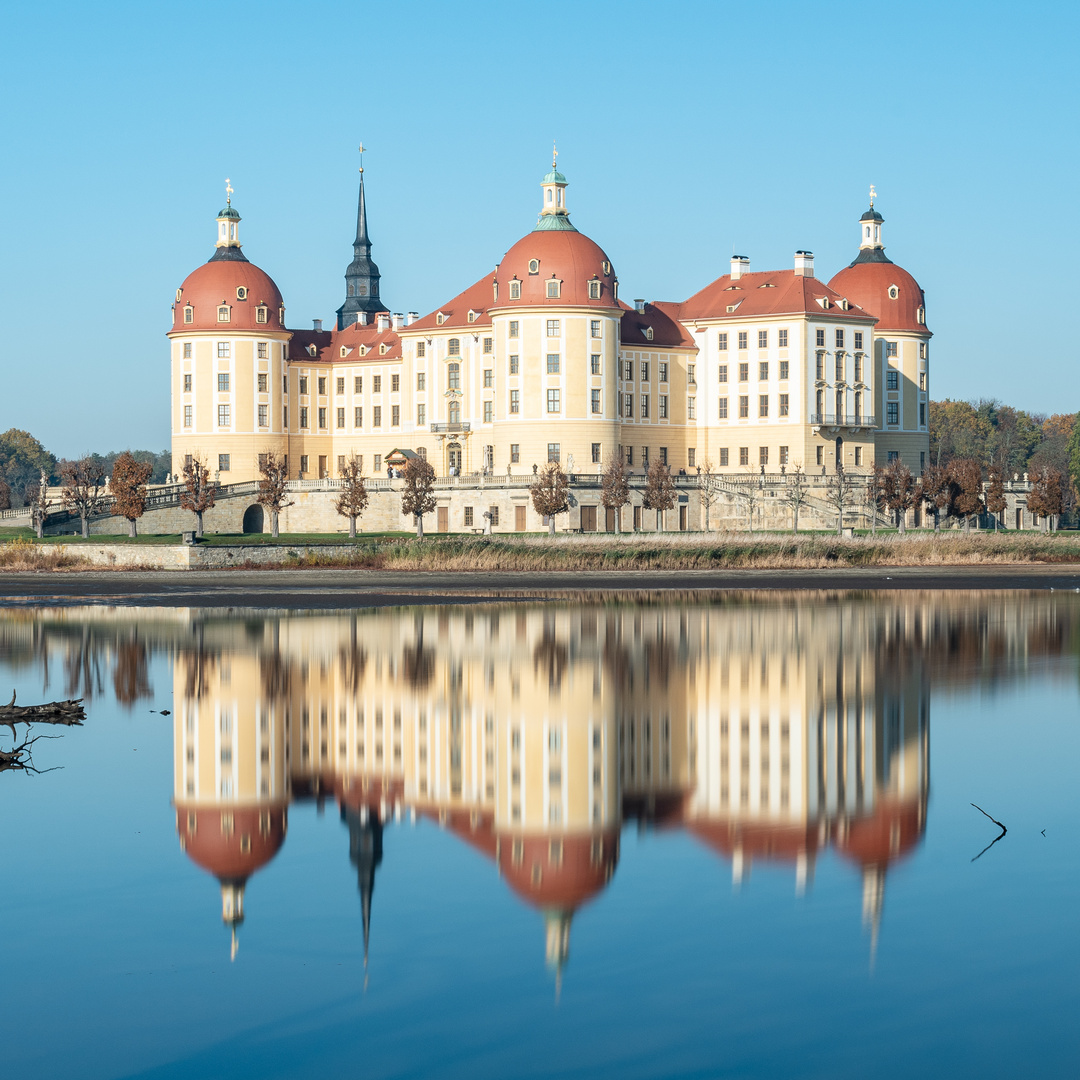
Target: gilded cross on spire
[228, 191]
[361, 157]
[873, 196]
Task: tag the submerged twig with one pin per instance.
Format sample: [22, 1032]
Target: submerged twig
[996, 838]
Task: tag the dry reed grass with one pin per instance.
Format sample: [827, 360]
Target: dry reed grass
[20, 554]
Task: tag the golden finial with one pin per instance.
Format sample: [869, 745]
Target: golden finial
[361, 157]
[228, 191]
[554, 155]
[873, 196]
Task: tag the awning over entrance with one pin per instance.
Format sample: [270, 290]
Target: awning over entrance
[400, 457]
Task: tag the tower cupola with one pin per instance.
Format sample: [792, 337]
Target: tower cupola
[870, 227]
[227, 245]
[553, 213]
[362, 275]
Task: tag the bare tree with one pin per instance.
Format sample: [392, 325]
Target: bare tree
[874, 495]
[710, 489]
[748, 490]
[551, 493]
[614, 489]
[1045, 496]
[996, 503]
[659, 491]
[83, 489]
[274, 487]
[128, 487]
[796, 493]
[839, 488]
[418, 495]
[353, 500]
[965, 479]
[39, 503]
[898, 491]
[199, 492]
[936, 492]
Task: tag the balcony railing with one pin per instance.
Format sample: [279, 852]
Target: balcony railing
[449, 429]
[843, 420]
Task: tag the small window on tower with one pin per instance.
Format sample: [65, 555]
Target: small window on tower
[534, 266]
[894, 292]
[189, 314]
[553, 288]
[223, 313]
[515, 290]
[241, 292]
[594, 290]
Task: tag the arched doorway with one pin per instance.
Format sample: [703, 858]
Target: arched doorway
[453, 457]
[253, 519]
[839, 453]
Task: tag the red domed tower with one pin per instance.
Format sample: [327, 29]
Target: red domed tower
[901, 344]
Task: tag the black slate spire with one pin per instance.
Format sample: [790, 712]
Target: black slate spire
[362, 275]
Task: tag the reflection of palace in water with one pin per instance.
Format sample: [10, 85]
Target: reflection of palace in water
[770, 731]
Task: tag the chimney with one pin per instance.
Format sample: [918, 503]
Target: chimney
[398, 320]
[411, 317]
[804, 264]
[740, 264]
[384, 320]
[639, 306]
[361, 318]
[317, 324]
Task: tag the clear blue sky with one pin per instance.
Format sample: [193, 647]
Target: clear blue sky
[685, 130]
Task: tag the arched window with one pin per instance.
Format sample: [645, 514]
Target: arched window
[453, 347]
[189, 314]
[422, 451]
[453, 412]
[453, 376]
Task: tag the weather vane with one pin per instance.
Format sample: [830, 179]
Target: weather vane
[228, 191]
[361, 157]
[873, 196]
[554, 154]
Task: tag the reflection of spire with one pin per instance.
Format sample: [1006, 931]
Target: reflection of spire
[557, 951]
[365, 853]
[232, 909]
[873, 901]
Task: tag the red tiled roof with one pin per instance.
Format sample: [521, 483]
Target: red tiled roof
[885, 836]
[301, 339]
[571, 257]
[214, 284]
[566, 884]
[475, 298]
[756, 839]
[868, 283]
[663, 317]
[222, 852]
[370, 337]
[767, 293]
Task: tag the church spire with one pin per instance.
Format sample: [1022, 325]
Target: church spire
[362, 276]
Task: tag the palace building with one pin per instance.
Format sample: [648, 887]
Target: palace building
[541, 360]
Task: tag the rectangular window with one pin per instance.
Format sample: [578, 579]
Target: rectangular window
[340, 384]
[691, 408]
[819, 366]
[188, 415]
[644, 370]
[663, 406]
[858, 339]
[378, 463]
[839, 367]
[721, 374]
[691, 373]
[322, 419]
[594, 363]
[553, 288]
[340, 418]
[628, 371]
[358, 384]
[223, 382]
[515, 453]
[489, 378]
[264, 383]
[691, 456]
[922, 380]
[553, 328]
[515, 365]
[644, 455]
[515, 328]
[784, 455]
[395, 416]
[376, 416]
[721, 342]
[723, 408]
[421, 415]
[341, 464]
[763, 455]
[785, 367]
[922, 414]
[744, 406]
[595, 401]
[628, 405]
[395, 384]
[763, 339]
[594, 328]
[187, 350]
[784, 408]
[781, 336]
[264, 416]
[596, 453]
[224, 415]
[553, 363]
[187, 384]
[285, 417]
[858, 367]
[723, 457]
[488, 344]
[763, 371]
[453, 347]
[468, 517]
[890, 348]
[515, 401]
[421, 348]
[553, 451]
[303, 463]
[763, 405]
[892, 380]
[744, 455]
[358, 416]
[922, 350]
[224, 350]
[224, 462]
[664, 373]
[744, 372]
[629, 455]
[376, 384]
[554, 399]
[644, 407]
[489, 414]
[840, 337]
[743, 339]
[421, 380]
[663, 455]
[892, 412]
[322, 385]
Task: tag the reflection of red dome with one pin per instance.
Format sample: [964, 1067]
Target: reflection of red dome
[867, 284]
[214, 284]
[587, 863]
[885, 836]
[565, 254]
[255, 837]
[756, 840]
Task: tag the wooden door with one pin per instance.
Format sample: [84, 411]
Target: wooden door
[443, 518]
[1019, 518]
[637, 519]
[322, 466]
[588, 519]
[519, 518]
[682, 519]
[609, 520]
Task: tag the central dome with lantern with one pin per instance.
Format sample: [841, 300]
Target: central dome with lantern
[555, 265]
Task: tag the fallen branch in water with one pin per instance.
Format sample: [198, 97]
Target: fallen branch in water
[20, 758]
[996, 838]
[69, 713]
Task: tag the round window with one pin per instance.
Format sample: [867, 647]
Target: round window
[241, 293]
[534, 266]
[894, 292]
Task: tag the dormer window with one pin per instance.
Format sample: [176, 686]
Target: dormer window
[344, 352]
[534, 266]
[606, 266]
[733, 307]
[440, 318]
[241, 292]
[515, 290]
[823, 301]
[920, 315]
[767, 285]
[648, 332]
[312, 351]
[384, 349]
[894, 292]
[554, 288]
[261, 313]
[223, 313]
[281, 315]
[179, 293]
[189, 314]
[453, 347]
[843, 305]
[361, 350]
[594, 290]
[495, 291]
[472, 316]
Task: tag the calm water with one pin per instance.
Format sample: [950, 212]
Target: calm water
[724, 838]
